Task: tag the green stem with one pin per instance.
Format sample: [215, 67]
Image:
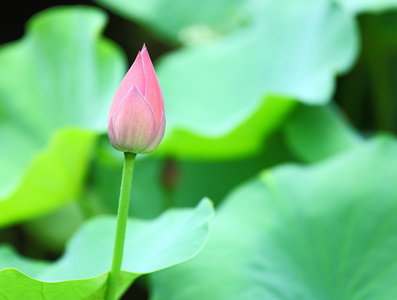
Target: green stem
[122, 217]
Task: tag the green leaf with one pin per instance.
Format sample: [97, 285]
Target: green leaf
[56, 84]
[180, 20]
[314, 133]
[221, 143]
[327, 231]
[242, 80]
[53, 177]
[227, 107]
[81, 273]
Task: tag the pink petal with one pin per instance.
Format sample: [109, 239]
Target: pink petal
[134, 122]
[157, 138]
[112, 134]
[135, 76]
[152, 87]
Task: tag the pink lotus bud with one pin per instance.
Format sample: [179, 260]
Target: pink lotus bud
[136, 116]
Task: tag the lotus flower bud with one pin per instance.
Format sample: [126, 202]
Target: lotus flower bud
[136, 116]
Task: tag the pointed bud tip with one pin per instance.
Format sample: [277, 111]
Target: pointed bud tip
[144, 50]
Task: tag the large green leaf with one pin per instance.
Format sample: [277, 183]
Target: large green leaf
[55, 87]
[222, 110]
[54, 176]
[192, 21]
[81, 273]
[226, 94]
[327, 231]
[314, 133]
[181, 20]
[226, 107]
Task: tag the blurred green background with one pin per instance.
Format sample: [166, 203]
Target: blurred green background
[250, 87]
